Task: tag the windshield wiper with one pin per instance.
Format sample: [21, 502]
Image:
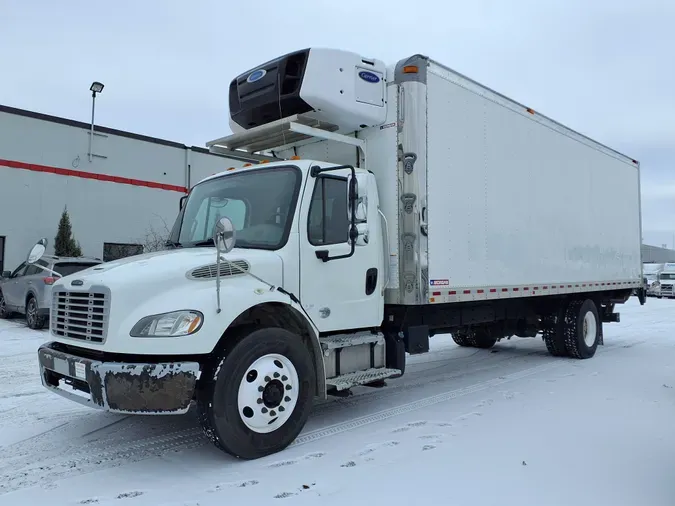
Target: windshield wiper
[199, 244]
[173, 244]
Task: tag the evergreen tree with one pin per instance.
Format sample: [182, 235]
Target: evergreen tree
[65, 244]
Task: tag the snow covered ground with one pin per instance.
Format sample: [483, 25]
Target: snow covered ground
[508, 426]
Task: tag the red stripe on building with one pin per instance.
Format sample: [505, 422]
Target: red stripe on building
[91, 175]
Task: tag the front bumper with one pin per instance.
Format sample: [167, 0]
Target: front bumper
[119, 387]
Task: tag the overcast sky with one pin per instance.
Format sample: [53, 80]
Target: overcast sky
[603, 67]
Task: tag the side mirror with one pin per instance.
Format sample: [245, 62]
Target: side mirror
[361, 198]
[181, 203]
[6, 274]
[224, 235]
[37, 251]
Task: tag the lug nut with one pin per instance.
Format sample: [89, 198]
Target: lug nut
[273, 413]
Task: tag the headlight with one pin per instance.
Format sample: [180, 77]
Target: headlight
[174, 324]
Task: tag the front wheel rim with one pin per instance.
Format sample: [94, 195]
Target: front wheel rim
[268, 393]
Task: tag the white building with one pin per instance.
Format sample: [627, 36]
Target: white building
[130, 189]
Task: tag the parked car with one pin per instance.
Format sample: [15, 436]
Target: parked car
[28, 290]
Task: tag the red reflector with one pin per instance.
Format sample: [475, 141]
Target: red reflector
[480, 291]
[436, 294]
[505, 289]
[516, 289]
[493, 290]
[453, 292]
[467, 291]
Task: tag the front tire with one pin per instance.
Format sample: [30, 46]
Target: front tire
[257, 398]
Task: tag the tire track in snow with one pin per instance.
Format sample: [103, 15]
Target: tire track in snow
[27, 467]
[419, 404]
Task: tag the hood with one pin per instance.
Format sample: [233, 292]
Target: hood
[163, 268]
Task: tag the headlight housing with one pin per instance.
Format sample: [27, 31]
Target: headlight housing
[173, 324]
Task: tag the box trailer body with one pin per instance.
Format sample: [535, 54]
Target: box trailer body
[491, 199]
[383, 205]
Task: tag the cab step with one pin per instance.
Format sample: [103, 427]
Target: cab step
[340, 341]
[352, 379]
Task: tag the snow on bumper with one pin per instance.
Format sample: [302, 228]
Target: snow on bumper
[139, 388]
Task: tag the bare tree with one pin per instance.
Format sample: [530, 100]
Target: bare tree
[155, 237]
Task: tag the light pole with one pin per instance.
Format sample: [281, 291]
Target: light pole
[95, 88]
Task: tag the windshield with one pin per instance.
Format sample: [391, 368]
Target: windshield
[68, 268]
[667, 275]
[259, 202]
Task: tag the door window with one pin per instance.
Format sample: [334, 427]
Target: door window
[19, 271]
[328, 218]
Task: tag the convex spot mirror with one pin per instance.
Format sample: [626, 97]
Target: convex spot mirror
[224, 235]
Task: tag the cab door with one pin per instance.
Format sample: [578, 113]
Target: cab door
[341, 282]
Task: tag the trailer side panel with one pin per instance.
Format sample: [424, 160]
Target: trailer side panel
[519, 206]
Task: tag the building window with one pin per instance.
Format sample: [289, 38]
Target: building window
[328, 218]
[115, 250]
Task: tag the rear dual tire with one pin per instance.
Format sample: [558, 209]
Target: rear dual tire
[574, 331]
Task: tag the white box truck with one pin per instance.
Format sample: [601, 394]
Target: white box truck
[651, 273]
[666, 281]
[395, 203]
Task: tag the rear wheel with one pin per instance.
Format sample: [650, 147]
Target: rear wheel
[33, 317]
[582, 328]
[553, 333]
[461, 338]
[482, 338]
[258, 397]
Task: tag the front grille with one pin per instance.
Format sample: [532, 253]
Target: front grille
[666, 288]
[80, 315]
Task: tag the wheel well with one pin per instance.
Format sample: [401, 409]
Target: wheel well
[28, 297]
[278, 314]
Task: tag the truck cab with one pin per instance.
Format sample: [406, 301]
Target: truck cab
[666, 281]
[315, 224]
